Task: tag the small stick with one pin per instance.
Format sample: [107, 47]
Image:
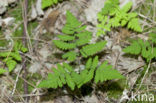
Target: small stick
[25, 34]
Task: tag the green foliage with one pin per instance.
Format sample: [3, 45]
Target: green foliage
[65, 75]
[2, 70]
[11, 58]
[47, 3]
[91, 49]
[70, 55]
[114, 16]
[143, 48]
[76, 37]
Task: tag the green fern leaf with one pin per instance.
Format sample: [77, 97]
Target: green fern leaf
[48, 3]
[144, 48]
[147, 51]
[16, 56]
[127, 7]
[81, 41]
[71, 24]
[64, 45]
[95, 63]
[67, 30]
[92, 48]
[105, 72]
[71, 55]
[11, 64]
[70, 82]
[88, 73]
[88, 64]
[68, 67]
[134, 48]
[2, 70]
[64, 75]
[152, 37]
[50, 82]
[66, 37]
[114, 16]
[80, 29]
[134, 25]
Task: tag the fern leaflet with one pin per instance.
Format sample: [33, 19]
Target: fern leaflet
[47, 3]
[92, 48]
[144, 48]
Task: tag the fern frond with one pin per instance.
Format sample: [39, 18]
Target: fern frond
[11, 64]
[143, 48]
[71, 55]
[60, 77]
[64, 45]
[64, 75]
[147, 51]
[127, 7]
[88, 73]
[11, 58]
[134, 25]
[134, 48]
[105, 72]
[88, 64]
[114, 16]
[152, 37]
[2, 70]
[80, 29]
[92, 48]
[81, 41]
[50, 82]
[66, 37]
[47, 3]
[15, 55]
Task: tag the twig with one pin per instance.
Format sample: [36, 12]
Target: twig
[14, 88]
[149, 64]
[30, 95]
[147, 18]
[25, 34]
[40, 40]
[116, 61]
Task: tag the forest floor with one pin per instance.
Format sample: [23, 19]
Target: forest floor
[25, 23]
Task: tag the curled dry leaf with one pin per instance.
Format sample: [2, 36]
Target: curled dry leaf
[49, 22]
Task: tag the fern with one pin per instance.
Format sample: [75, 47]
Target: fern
[59, 77]
[92, 48]
[47, 3]
[71, 56]
[75, 36]
[105, 72]
[65, 75]
[11, 58]
[114, 16]
[64, 45]
[2, 70]
[152, 37]
[143, 48]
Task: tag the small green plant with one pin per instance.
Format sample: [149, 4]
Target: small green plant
[114, 16]
[75, 40]
[65, 75]
[47, 3]
[146, 49]
[11, 58]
